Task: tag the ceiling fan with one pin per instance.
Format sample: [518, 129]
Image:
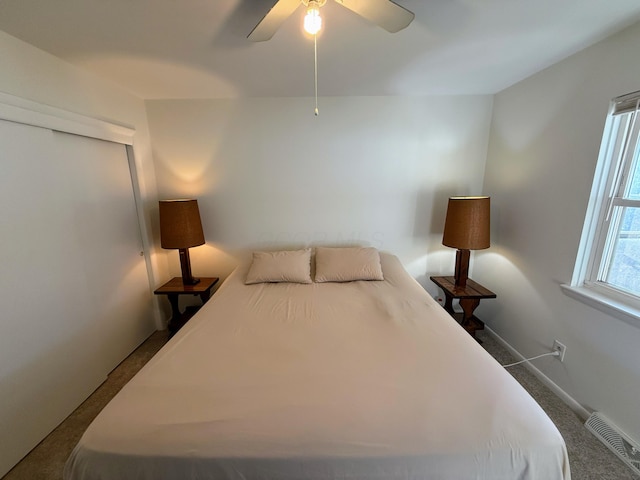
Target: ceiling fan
[384, 13]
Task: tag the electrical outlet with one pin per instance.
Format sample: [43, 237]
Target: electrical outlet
[560, 348]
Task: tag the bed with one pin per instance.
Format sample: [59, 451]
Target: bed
[321, 381]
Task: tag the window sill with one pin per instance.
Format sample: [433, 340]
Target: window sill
[604, 303]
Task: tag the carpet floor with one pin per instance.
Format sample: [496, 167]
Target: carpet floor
[589, 459]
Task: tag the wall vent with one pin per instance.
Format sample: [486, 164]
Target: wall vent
[615, 439]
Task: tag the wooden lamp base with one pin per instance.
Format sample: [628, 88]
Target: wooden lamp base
[185, 265]
[462, 267]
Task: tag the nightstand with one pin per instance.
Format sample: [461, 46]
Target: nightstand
[469, 297]
[174, 288]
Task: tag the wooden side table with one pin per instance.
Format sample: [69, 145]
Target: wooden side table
[469, 297]
[174, 288]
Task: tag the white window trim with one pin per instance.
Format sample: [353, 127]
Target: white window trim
[606, 303]
[583, 285]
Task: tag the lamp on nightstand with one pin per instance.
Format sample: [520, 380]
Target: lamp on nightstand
[466, 228]
[181, 228]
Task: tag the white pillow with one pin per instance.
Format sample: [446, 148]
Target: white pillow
[284, 266]
[347, 264]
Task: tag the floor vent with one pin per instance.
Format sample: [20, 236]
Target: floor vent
[615, 439]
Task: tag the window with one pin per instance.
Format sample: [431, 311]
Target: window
[608, 262]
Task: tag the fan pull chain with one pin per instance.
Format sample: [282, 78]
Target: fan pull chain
[315, 68]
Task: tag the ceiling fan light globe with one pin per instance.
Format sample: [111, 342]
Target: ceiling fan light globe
[313, 20]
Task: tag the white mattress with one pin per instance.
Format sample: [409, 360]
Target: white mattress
[361, 380]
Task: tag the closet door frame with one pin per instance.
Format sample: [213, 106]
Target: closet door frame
[67, 129]
[20, 110]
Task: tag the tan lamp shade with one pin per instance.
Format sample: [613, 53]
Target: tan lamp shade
[180, 225]
[468, 223]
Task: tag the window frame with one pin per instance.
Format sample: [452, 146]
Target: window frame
[615, 160]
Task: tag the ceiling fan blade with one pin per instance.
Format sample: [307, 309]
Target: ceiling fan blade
[384, 13]
[270, 23]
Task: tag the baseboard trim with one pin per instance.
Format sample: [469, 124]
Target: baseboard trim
[571, 402]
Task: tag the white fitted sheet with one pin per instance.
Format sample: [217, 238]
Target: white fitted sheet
[360, 380]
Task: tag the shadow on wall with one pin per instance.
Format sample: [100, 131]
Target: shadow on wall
[430, 213]
[431, 210]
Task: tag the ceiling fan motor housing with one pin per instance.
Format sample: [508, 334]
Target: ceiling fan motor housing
[384, 13]
[316, 3]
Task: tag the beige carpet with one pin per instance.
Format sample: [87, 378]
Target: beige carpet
[590, 460]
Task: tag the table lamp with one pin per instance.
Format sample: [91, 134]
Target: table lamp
[466, 228]
[181, 228]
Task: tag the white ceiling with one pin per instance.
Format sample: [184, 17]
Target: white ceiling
[198, 48]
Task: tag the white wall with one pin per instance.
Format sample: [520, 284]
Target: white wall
[35, 75]
[544, 144]
[367, 170]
